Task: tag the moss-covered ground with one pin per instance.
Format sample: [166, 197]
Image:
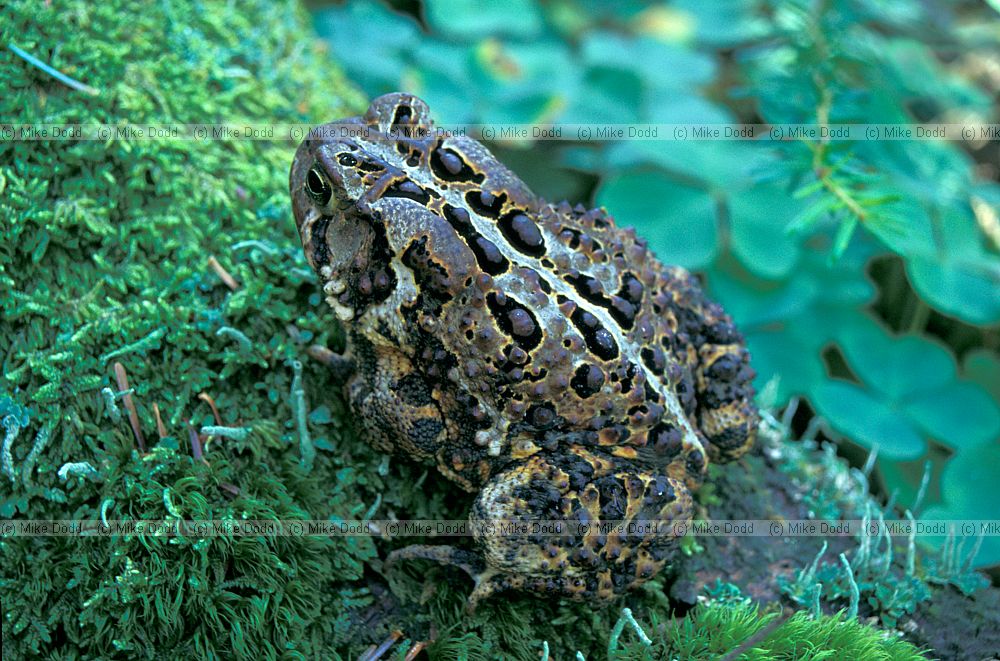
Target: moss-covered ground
[114, 262]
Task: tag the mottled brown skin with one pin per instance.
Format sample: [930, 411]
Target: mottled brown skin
[535, 353]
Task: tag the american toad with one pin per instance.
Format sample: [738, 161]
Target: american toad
[537, 354]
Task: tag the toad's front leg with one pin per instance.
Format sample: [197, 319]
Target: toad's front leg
[577, 509]
[393, 401]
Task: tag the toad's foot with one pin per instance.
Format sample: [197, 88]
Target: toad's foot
[342, 367]
[468, 561]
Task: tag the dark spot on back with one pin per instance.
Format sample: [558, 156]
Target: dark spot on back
[485, 203]
[521, 231]
[621, 310]
[508, 313]
[488, 256]
[599, 340]
[449, 165]
[587, 380]
[408, 189]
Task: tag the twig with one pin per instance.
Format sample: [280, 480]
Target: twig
[374, 654]
[12, 427]
[616, 632]
[205, 397]
[29, 462]
[320, 353]
[149, 342]
[852, 609]
[109, 404]
[911, 546]
[235, 433]
[107, 504]
[230, 281]
[241, 339]
[161, 429]
[417, 648]
[58, 75]
[133, 416]
[924, 482]
[229, 488]
[195, 443]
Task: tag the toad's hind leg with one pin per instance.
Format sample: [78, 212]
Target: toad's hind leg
[594, 527]
[713, 351]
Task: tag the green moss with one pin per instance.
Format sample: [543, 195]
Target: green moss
[104, 259]
[717, 629]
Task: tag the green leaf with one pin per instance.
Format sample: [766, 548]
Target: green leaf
[896, 366]
[791, 358]
[369, 41]
[509, 79]
[724, 22]
[788, 324]
[970, 490]
[957, 275]
[606, 95]
[471, 20]
[960, 414]
[967, 290]
[648, 58]
[906, 229]
[844, 233]
[867, 420]
[758, 219]
[723, 167]
[670, 106]
[982, 366]
[918, 378]
[678, 221]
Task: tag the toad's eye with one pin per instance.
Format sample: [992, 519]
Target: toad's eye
[318, 187]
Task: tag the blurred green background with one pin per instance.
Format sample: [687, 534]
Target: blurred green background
[865, 275]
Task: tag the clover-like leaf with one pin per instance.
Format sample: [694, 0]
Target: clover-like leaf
[678, 221]
[726, 167]
[956, 274]
[724, 22]
[867, 419]
[960, 413]
[648, 58]
[788, 324]
[982, 366]
[606, 95]
[470, 20]
[916, 378]
[370, 41]
[896, 366]
[969, 290]
[758, 219]
[970, 490]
